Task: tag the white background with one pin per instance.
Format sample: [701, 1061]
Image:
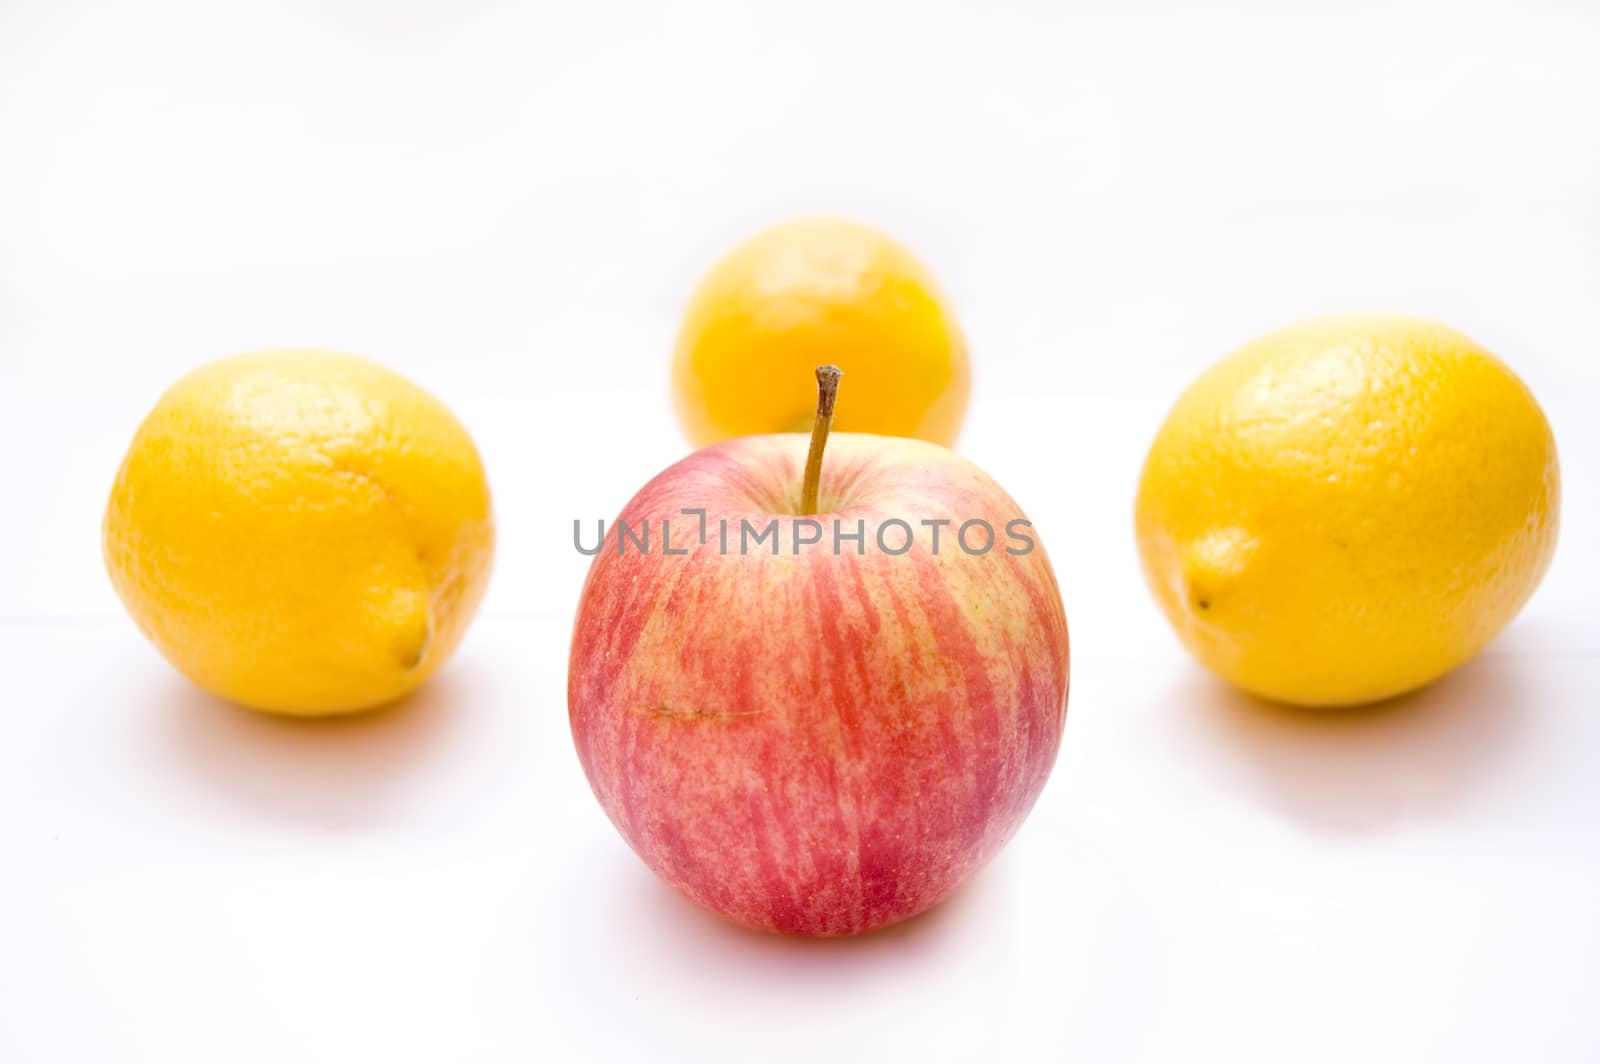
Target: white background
[510, 204]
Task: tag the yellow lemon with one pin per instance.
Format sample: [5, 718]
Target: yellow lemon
[1348, 508]
[301, 532]
[809, 292]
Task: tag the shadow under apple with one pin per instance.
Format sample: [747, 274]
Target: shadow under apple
[645, 910]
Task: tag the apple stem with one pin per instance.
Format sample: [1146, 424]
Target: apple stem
[827, 392]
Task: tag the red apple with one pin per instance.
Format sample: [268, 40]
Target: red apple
[807, 741]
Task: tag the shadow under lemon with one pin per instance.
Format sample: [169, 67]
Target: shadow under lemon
[1372, 767]
[332, 771]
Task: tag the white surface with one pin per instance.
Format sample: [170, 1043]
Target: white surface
[510, 204]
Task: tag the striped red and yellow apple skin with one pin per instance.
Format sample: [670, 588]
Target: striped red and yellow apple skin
[818, 743]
